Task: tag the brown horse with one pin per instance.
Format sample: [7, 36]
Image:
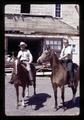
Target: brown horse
[21, 78]
[59, 76]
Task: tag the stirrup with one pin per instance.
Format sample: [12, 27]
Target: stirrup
[31, 82]
[70, 84]
[11, 82]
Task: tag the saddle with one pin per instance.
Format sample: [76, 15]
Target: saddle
[75, 66]
[24, 65]
[75, 69]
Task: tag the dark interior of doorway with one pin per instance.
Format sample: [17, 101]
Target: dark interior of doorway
[34, 45]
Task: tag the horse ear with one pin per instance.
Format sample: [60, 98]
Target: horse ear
[55, 53]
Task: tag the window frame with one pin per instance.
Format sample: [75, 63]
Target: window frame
[25, 8]
[58, 10]
[73, 48]
[55, 46]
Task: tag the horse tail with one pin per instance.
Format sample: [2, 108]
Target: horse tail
[76, 72]
[75, 66]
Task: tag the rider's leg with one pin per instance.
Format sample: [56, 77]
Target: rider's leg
[30, 73]
[12, 77]
[65, 64]
[71, 73]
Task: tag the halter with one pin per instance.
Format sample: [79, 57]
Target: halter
[16, 63]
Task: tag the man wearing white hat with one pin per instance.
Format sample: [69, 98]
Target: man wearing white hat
[26, 57]
[66, 58]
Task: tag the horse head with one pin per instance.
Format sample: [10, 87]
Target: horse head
[48, 55]
[45, 56]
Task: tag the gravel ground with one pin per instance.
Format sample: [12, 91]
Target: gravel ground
[42, 104]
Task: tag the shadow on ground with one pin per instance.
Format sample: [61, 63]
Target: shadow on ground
[37, 100]
[70, 104]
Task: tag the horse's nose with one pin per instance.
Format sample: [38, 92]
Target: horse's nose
[38, 61]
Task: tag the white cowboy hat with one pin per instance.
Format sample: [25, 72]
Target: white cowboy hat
[23, 43]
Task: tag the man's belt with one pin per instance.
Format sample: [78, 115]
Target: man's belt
[24, 60]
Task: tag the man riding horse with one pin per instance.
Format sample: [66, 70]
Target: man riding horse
[66, 59]
[26, 58]
[59, 73]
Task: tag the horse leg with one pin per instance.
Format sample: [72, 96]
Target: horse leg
[27, 93]
[55, 96]
[23, 95]
[34, 86]
[17, 94]
[74, 89]
[62, 97]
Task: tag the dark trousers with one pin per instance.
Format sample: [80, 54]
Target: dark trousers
[69, 65]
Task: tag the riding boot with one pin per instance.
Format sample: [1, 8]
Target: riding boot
[71, 80]
[12, 79]
[30, 78]
[71, 73]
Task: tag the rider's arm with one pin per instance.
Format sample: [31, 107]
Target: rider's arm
[69, 52]
[30, 57]
[62, 57]
[61, 54]
[19, 55]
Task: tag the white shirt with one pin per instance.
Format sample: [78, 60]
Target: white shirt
[66, 51]
[25, 55]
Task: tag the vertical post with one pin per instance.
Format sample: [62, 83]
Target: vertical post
[6, 45]
[44, 44]
[77, 8]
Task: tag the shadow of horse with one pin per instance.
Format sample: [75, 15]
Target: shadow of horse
[37, 100]
[69, 104]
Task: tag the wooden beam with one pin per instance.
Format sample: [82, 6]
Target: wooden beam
[6, 44]
[36, 36]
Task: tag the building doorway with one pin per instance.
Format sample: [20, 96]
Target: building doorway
[35, 45]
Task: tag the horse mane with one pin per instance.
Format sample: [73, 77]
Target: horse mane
[54, 60]
[22, 73]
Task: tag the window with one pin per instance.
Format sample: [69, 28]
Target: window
[55, 44]
[25, 8]
[73, 48]
[58, 10]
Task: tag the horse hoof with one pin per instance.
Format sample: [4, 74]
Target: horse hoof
[35, 93]
[73, 100]
[56, 108]
[26, 95]
[17, 107]
[23, 104]
[64, 108]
